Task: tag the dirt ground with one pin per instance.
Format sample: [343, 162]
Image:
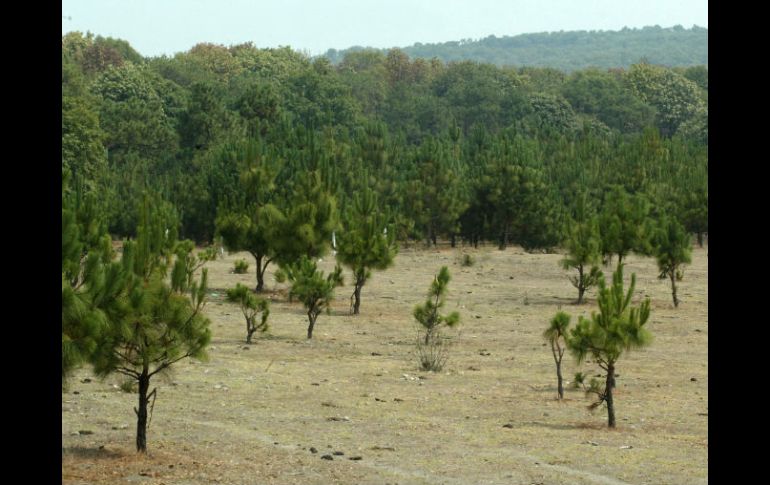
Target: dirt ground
[250, 414]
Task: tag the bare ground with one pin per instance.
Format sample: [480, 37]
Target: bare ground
[251, 413]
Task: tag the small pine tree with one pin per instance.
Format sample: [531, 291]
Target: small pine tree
[251, 306]
[583, 243]
[312, 288]
[365, 243]
[672, 250]
[605, 336]
[624, 225]
[556, 335]
[428, 314]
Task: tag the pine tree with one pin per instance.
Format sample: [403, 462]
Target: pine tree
[311, 287]
[93, 286]
[624, 225]
[672, 250]
[428, 314]
[251, 223]
[556, 335]
[365, 242]
[431, 350]
[618, 327]
[583, 244]
[161, 324]
[251, 306]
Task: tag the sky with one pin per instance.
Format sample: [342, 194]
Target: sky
[157, 27]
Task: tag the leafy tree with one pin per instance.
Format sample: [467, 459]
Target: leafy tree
[162, 324]
[251, 306]
[428, 314]
[672, 250]
[556, 335]
[364, 243]
[312, 288]
[618, 327]
[603, 95]
[676, 98]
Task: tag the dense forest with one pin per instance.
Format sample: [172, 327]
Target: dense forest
[569, 51]
[460, 151]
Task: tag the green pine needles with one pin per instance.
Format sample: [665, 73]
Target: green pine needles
[431, 348]
[313, 289]
[251, 306]
[365, 243]
[556, 335]
[672, 251]
[618, 327]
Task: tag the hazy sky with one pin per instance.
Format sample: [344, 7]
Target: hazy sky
[155, 27]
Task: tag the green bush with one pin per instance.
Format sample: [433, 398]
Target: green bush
[241, 267]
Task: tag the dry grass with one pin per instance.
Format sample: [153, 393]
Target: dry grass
[250, 414]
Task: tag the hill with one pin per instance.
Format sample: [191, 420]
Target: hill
[569, 51]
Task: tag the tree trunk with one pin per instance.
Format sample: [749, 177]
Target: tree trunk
[311, 316]
[673, 288]
[559, 379]
[250, 329]
[608, 395]
[260, 273]
[357, 296]
[141, 413]
[504, 238]
[700, 239]
[454, 240]
[581, 284]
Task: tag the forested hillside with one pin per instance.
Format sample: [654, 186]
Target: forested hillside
[568, 51]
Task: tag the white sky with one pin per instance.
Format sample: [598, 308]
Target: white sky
[155, 27]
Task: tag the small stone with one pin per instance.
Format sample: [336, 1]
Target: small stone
[355, 458]
[86, 380]
[376, 353]
[85, 431]
[313, 449]
[338, 453]
[478, 316]
[397, 399]
[692, 379]
[314, 384]
[246, 347]
[509, 425]
[75, 392]
[327, 457]
[75, 433]
[592, 443]
[627, 447]
[546, 414]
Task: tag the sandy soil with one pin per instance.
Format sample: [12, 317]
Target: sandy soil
[251, 413]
